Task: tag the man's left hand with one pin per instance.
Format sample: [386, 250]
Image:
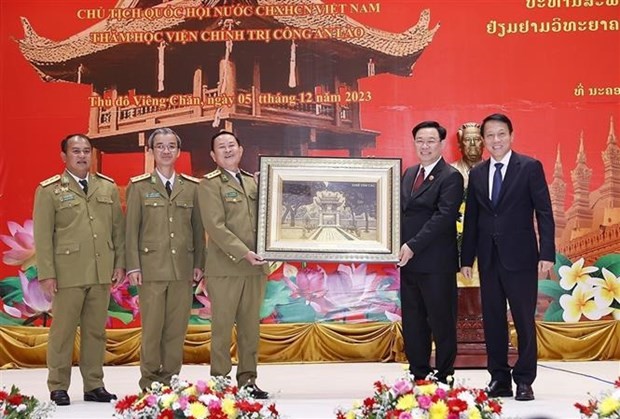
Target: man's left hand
[404, 255]
[544, 266]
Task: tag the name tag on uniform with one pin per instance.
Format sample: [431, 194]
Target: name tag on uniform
[232, 194]
[153, 195]
[68, 197]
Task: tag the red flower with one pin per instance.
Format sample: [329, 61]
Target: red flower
[247, 406]
[369, 402]
[3, 395]
[166, 414]
[126, 402]
[273, 410]
[495, 406]
[617, 383]
[15, 399]
[457, 405]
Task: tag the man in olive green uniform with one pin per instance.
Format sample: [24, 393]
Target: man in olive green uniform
[236, 275]
[80, 240]
[165, 244]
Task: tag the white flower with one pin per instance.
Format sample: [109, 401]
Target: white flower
[575, 274]
[606, 289]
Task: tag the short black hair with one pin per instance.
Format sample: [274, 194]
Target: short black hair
[223, 132]
[63, 143]
[162, 131]
[499, 117]
[430, 124]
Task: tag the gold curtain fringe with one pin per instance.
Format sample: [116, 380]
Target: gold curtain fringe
[25, 347]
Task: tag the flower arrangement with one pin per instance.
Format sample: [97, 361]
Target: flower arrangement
[14, 405]
[607, 405]
[214, 399]
[410, 399]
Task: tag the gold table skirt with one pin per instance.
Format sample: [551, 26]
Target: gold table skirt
[25, 347]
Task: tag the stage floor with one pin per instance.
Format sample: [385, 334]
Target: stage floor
[304, 391]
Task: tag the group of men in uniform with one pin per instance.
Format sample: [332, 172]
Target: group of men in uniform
[85, 246]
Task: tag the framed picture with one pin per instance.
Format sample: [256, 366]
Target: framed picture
[329, 209]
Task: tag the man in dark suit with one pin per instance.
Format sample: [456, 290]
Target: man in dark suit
[504, 194]
[431, 196]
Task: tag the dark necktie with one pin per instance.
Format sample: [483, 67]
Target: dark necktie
[418, 180]
[238, 176]
[497, 183]
[84, 184]
[168, 187]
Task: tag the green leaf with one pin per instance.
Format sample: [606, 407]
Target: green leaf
[115, 307]
[610, 262]
[6, 320]
[31, 272]
[277, 293]
[297, 312]
[9, 285]
[554, 313]
[195, 319]
[560, 260]
[126, 318]
[551, 289]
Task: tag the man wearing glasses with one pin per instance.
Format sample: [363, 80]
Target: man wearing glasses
[165, 252]
[431, 195]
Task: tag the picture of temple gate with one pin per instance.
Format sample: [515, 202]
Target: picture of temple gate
[282, 97]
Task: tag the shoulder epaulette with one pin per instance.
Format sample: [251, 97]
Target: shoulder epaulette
[140, 177]
[245, 172]
[190, 178]
[49, 181]
[102, 176]
[213, 174]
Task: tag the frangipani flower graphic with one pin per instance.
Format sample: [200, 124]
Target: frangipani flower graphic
[606, 289]
[21, 242]
[581, 302]
[576, 274]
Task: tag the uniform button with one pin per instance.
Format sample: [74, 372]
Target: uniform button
[146, 250]
[95, 235]
[155, 204]
[174, 252]
[91, 217]
[97, 254]
[185, 205]
[170, 219]
[67, 252]
[171, 234]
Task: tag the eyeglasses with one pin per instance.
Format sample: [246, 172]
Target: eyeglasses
[162, 147]
[430, 143]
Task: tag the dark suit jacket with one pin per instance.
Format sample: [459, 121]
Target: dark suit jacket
[511, 225]
[429, 218]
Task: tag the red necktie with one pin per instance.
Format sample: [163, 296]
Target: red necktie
[418, 180]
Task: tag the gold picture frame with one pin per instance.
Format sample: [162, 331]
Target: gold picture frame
[328, 209]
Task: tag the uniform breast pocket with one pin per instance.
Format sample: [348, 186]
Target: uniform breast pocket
[67, 250]
[185, 204]
[154, 204]
[105, 200]
[68, 212]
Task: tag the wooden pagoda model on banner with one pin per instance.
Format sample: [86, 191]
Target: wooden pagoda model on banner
[251, 77]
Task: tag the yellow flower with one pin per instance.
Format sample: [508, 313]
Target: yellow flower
[580, 302]
[190, 391]
[406, 402]
[609, 405]
[228, 407]
[438, 410]
[427, 389]
[606, 289]
[575, 274]
[166, 400]
[198, 410]
[350, 414]
[474, 413]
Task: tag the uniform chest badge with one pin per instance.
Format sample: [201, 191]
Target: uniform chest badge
[232, 194]
[67, 197]
[153, 195]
